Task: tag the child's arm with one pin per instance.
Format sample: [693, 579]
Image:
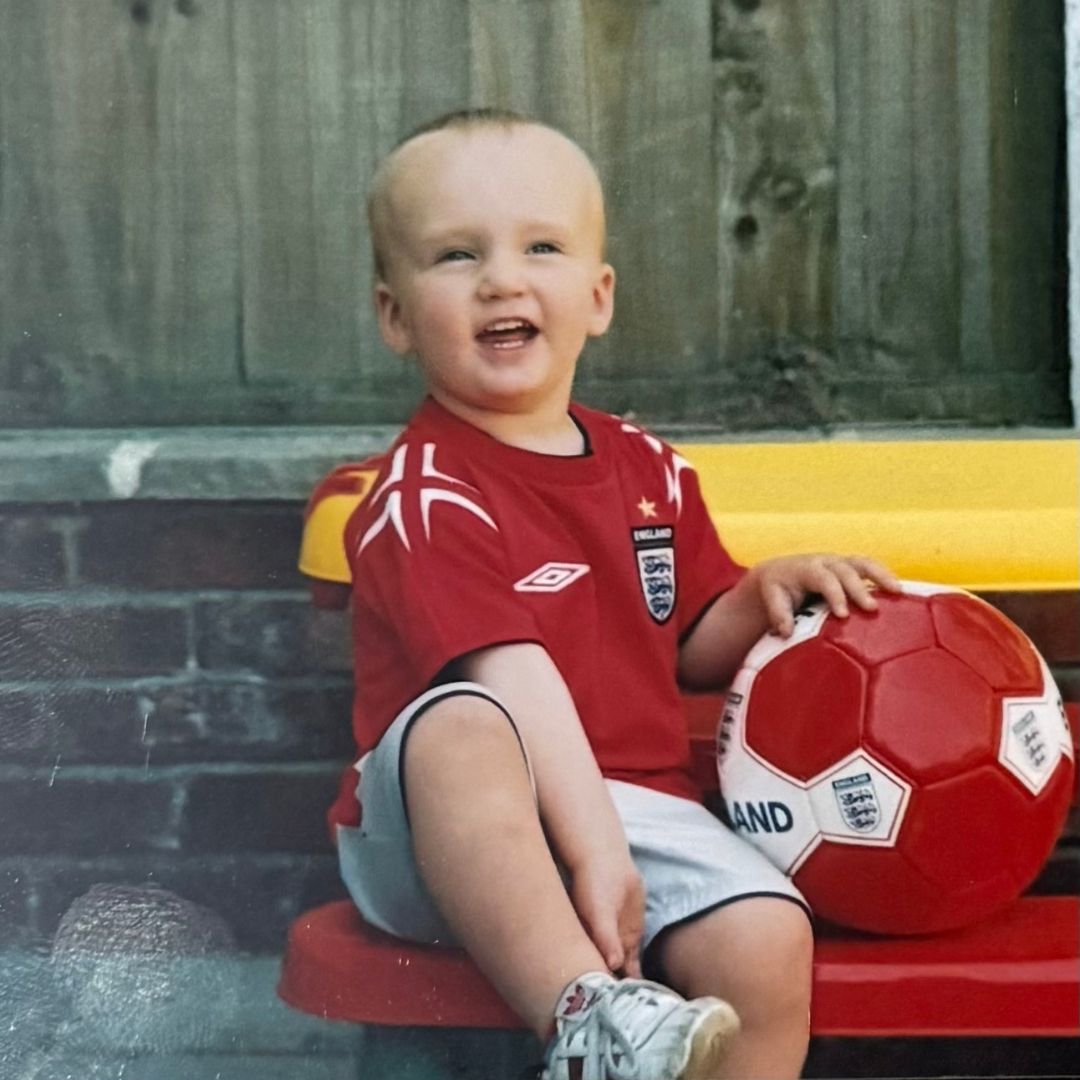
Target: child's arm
[766, 598]
[578, 815]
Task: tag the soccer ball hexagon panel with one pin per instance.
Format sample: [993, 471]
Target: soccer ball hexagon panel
[910, 768]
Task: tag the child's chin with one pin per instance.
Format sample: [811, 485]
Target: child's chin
[509, 381]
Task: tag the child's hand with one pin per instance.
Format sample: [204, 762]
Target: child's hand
[784, 583]
[609, 898]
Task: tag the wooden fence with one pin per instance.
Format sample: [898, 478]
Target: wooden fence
[823, 212]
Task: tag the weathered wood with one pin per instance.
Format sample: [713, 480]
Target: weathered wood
[897, 268]
[118, 198]
[775, 118]
[944, 276]
[1028, 237]
[300, 192]
[822, 211]
[194, 233]
[631, 79]
[533, 58]
[775, 112]
[649, 73]
[60, 225]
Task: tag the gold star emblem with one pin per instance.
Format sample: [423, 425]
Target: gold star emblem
[647, 508]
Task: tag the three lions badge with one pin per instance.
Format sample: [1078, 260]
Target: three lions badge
[654, 546]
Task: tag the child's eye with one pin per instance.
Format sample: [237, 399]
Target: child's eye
[454, 255]
[543, 247]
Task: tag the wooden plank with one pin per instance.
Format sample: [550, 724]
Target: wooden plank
[192, 226]
[775, 120]
[324, 90]
[294, 170]
[897, 265]
[422, 49]
[973, 40]
[23, 247]
[181, 201]
[1025, 149]
[532, 58]
[947, 128]
[648, 88]
[120, 199]
[58, 231]
[630, 81]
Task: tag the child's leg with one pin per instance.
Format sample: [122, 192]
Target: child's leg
[756, 953]
[482, 854]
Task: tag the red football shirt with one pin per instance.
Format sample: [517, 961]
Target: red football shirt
[606, 559]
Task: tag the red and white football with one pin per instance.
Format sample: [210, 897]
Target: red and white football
[910, 768]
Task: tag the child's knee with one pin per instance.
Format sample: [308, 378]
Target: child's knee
[463, 748]
[459, 730]
[777, 972]
[790, 946]
[757, 953]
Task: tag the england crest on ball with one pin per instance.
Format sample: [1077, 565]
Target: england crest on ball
[654, 546]
[858, 801]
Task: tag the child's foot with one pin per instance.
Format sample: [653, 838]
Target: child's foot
[630, 1029]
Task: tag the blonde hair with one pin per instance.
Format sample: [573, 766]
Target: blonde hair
[378, 208]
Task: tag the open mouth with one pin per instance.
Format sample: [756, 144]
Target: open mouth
[507, 333]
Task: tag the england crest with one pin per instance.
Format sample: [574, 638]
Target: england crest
[654, 546]
[858, 801]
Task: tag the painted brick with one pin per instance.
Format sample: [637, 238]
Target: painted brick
[258, 895]
[49, 641]
[283, 636]
[76, 816]
[28, 727]
[267, 811]
[175, 722]
[317, 721]
[253, 722]
[31, 551]
[1050, 619]
[184, 545]
[16, 891]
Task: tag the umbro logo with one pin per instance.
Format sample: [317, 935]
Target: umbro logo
[551, 577]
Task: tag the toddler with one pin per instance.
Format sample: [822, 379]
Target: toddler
[533, 583]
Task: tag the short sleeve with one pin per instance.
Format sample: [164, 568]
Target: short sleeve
[706, 569]
[430, 568]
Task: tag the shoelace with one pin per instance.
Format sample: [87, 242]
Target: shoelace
[600, 1052]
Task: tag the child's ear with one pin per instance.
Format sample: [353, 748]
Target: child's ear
[603, 297]
[391, 319]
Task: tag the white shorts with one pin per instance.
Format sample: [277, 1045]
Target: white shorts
[689, 861]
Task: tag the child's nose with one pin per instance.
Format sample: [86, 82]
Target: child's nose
[503, 276]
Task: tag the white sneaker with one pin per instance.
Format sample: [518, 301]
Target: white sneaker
[631, 1029]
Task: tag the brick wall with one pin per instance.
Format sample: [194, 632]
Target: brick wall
[172, 709]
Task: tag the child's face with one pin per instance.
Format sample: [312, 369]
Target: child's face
[495, 271]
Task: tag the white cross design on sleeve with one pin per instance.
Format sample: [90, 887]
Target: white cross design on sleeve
[393, 487]
[672, 472]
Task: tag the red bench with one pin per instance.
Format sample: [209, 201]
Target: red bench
[1017, 973]
[1009, 510]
